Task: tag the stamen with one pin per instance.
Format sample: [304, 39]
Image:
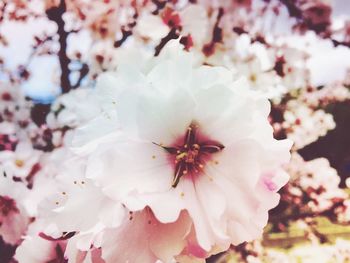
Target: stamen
[180, 156]
[179, 171]
[19, 163]
[212, 148]
[190, 155]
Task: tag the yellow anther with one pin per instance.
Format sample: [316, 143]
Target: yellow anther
[181, 155]
[252, 77]
[19, 163]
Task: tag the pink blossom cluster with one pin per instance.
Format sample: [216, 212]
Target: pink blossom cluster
[166, 130]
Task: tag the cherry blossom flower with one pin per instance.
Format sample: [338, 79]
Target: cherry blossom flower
[14, 111]
[305, 125]
[317, 183]
[151, 239]
[163, 151]
[335, 92]
[13, 216]
[151, 28]
[195, 23]
[104, 226]
[316, 13]
[50, 251]
[190, 138]
[67, 112]
[19, 163]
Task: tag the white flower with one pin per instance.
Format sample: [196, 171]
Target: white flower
[20, 162]
[190, 138]
[151, 27]
[64, 206]
[318, 180]
[305, 125]
[35, 249]
[195, 22]
[73, 109]
[265, 81]
[106, 224]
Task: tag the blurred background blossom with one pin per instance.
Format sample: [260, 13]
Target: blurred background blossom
[295, 53]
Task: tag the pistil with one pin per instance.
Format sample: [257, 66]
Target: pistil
[191, 152]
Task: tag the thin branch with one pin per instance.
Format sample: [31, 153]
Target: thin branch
[125, 35]
[171, 35]
[56, 14]
[83, 72]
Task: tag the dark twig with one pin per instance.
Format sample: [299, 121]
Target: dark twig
[159, 6]
[55, 14]
[83, 72]
[125, 35]
[171, 35]
[209, 49]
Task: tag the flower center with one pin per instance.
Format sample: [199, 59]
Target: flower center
[19, 163]
[7, 205]
[191, 152]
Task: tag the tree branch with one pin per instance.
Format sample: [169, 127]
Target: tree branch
[83, 72]
[55, 14]
[171, 35]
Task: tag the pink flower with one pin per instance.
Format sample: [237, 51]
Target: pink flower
[13, 217]
[142, 238]
[191, 138]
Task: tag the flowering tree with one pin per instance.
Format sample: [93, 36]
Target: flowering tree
[174, 131]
